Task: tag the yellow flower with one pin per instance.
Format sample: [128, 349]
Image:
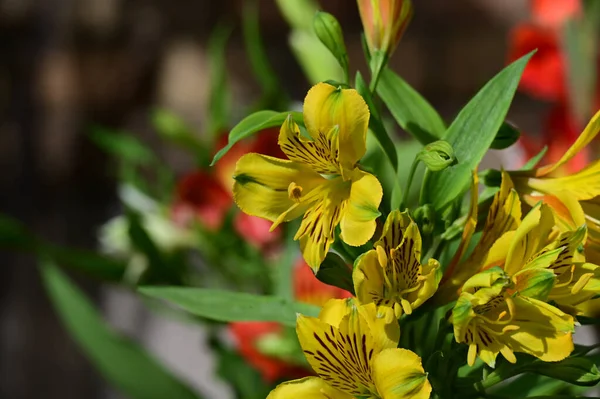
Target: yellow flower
[575, 198]
[384, 22]
[491, 320]
[543, 265]
[503, 216]
[355, 354]
[392, 275]
[321, 179]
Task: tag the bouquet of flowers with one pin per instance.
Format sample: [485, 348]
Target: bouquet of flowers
[355, 264]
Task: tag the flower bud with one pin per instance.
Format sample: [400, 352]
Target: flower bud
[425, 218]
[384, 22]
[329, 32]
[437, 155]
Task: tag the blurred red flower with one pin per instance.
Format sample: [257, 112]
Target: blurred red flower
[199, 196]
[207, 197]
[307, 289]
[554, 13]
[544, 75]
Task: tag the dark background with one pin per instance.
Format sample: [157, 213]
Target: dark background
[68, 64]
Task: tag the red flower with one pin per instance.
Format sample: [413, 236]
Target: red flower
[256, 230]
[554, 13]
[307, 289]
[544, 76]
[247, 334]
[208, 196]
[199, 195]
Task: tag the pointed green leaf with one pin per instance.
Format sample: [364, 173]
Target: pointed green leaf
[255, 123]
[334, 271]
[231, 306]
[119, 360]
[575, 370]
[507, 135]
[410, 110]
[472, 133]
[122, 145]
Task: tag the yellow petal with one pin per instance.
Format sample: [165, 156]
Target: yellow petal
[393, 231]
[583, 185]
[340, 356]
[544, 331]
[368, 278]
[584, 139]
[317, 230]
[308, 388]
[335, 310]
[399, 374]
[319, 153]
[585, 284]
[385, 332]
[567, 210]
[504, 215]
[326, 107]
[361, 209]
[529, 238]
[261, 186]
[469, 228]
[498, 252]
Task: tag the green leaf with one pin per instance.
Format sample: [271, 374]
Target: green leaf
[257, 55]
[159, 267]
[472, 133]
[284, 268]
[122, 145]
[255, 123]
[335, 271]
[375, 123]
[506, 136]
[119, 360]
[412, 112]
[587, 321]
[229, 306]
[535, 160]
[218, 104]
[15, 236]
[574, 370]
[171, 127]
[580, 46]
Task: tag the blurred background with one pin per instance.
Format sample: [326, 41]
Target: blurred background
[68, 65]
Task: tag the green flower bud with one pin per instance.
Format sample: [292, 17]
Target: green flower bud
[437, 155]
[329, 32]
[425, 218]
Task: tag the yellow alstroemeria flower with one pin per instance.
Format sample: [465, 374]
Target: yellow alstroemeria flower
[491, 320]
[503, 216]
[354, 353]
[575, 198]
[544, 266]
[392, 275]
[321, 179]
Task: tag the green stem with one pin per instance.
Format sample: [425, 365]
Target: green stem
[411, 175]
